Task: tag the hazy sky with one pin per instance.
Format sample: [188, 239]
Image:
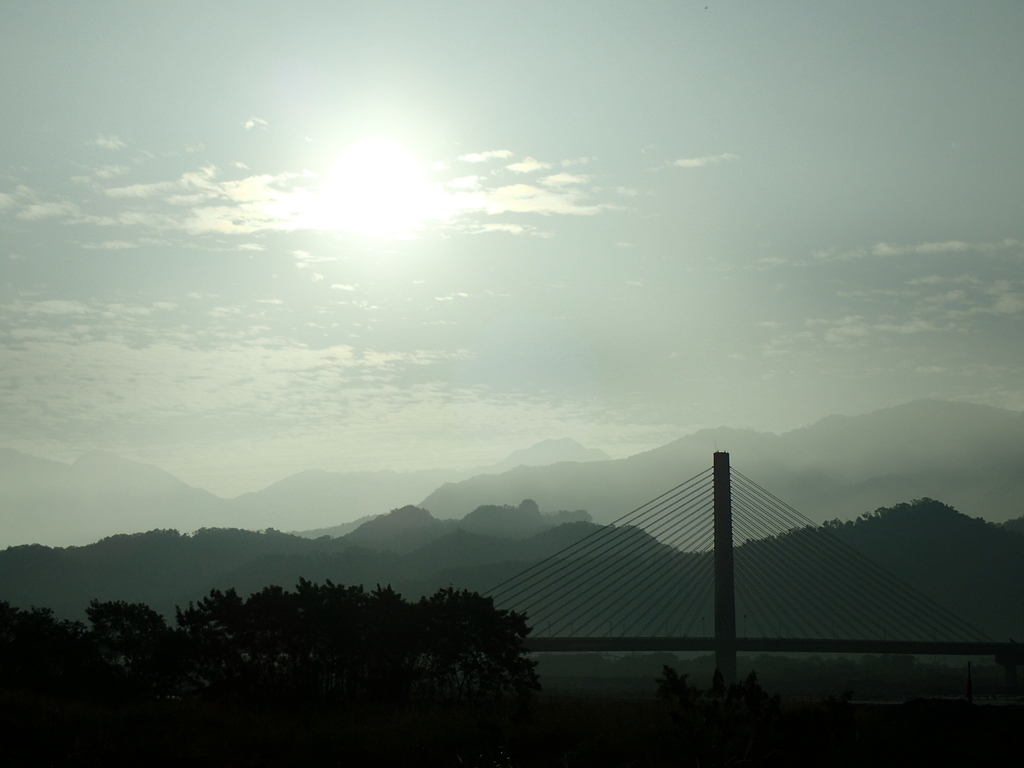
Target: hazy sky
[240, 239]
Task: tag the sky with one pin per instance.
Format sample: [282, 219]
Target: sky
[239, 240]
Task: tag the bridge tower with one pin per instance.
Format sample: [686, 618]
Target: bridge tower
[725, 592]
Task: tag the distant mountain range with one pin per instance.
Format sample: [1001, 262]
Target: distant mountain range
[99, 495]
[43, 501]
[971, 456]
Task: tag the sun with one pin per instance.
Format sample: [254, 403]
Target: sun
[376, 188]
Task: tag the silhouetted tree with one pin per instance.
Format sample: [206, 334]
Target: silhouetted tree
[674, 687]
[337, 643]
[142, 652]
[333, 618]
[215, 628]
[473, 649]
[40, 653]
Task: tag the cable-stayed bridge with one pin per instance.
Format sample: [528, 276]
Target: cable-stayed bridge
[720, 564]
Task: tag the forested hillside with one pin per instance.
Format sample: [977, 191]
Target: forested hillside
[974, 568]
[407, 548]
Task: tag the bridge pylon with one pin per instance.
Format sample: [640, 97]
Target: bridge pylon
[725, 590]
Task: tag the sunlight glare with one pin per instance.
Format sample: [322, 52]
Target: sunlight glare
[376, 188]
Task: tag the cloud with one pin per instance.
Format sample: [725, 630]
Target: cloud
[254, 122]
[563, 179]
[109, 245]
[464, 182]
[50, 307]
[343, 287]
[915, 325]
[701, 162]
[577, 161]
[203, 202]
[35, 211]
[528, 164]
[949, 246]
[480, 157]
[525, 198]
[142, 190]
[108, 142]
[1009, 304]
[110, 171]
[305, 258]
[515, 229]
[889, 250]
[937, 280]
[1009, 299]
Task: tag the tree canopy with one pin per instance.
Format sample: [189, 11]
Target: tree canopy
[321, 642]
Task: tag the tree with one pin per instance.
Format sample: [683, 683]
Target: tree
[215, 628]
[473, 649]
[135, 641]
[40, 653]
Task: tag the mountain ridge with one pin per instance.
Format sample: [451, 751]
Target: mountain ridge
[968, 565]
[839, 466]
[101, 494]
[970, 454]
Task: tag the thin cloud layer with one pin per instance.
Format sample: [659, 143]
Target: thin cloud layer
[384, 252]
[705, 160]
[212, 201]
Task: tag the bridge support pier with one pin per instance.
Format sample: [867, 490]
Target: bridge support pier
[725, 591]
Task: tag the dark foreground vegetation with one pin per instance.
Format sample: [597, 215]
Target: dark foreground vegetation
[739, 725]
[329, 675]
[797, 677]
[323, 644]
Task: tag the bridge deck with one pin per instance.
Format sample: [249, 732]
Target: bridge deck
[1005, 653]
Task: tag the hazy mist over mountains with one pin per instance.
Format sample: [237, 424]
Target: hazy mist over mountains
[476, 532]
[970, 456]
[52, 503]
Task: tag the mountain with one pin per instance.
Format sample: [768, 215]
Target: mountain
[1016, 525]
[319, 498]
[99, 495]
[350, 495]
[972, 567]
[547, 452]
[839, 467]
[401, 530]
[407, 547]
[972, 456]
[102, 495]
[410, 528]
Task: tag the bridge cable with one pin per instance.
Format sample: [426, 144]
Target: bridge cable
[792, 540]
[888, 585]
[511, 588]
